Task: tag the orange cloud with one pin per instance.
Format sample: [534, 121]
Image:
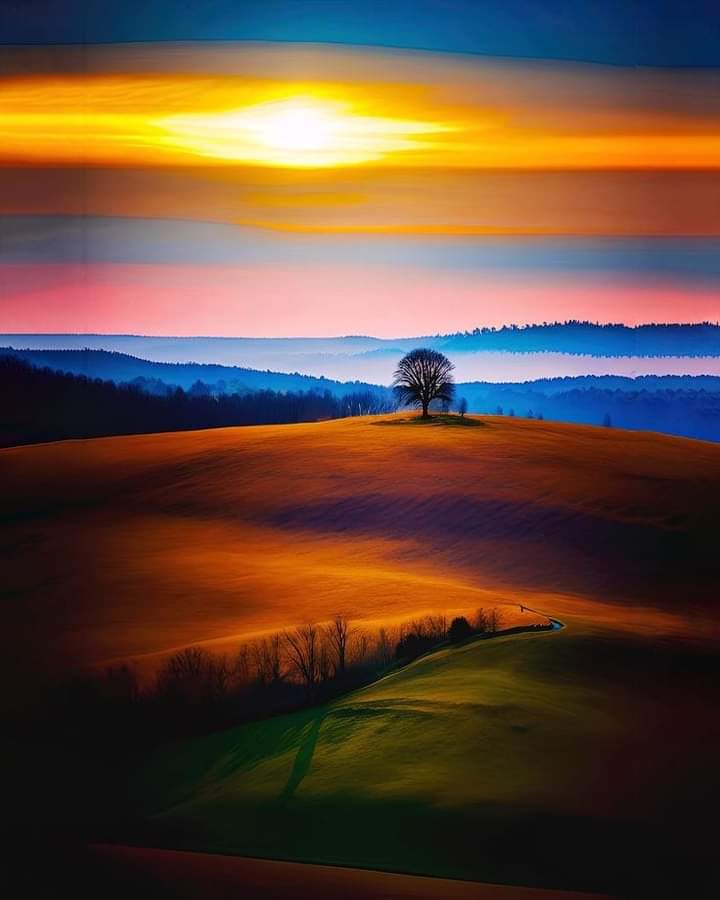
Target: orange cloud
[374, 200]
[352, 140]
[295, 108]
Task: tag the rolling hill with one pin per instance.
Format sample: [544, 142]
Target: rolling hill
[129, 547]
[581, 759]
[511, 353]
[119, 367]
[586, 338]
[540, 760]
[112, 365]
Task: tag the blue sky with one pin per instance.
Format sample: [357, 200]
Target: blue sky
[621, 32]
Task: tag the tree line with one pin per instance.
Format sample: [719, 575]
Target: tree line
[44, 405]
[197, 691]
[609, 339]
[688, 412]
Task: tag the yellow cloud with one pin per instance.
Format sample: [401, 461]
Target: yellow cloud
[162, 119]
[300, 131]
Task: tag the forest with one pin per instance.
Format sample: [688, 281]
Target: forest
[682, 405]
[41, 404]
[45, 405]
[654, 339]
[161, 377]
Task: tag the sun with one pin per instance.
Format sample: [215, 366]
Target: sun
[296, 128]
[293, 132]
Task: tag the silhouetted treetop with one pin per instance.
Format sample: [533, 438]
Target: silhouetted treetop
[424, 375]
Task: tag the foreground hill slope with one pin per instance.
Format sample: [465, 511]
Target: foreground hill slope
[540, 759]
[129, 547]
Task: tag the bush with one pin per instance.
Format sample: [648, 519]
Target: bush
[412, 645]
[460, 630]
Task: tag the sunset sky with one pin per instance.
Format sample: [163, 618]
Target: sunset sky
[252, 182]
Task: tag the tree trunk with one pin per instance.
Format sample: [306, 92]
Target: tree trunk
[425, 410]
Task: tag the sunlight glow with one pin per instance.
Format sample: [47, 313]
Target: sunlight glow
[165, 119]
[299, 131]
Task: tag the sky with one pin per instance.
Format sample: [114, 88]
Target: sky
[287, 168]
[618, 32]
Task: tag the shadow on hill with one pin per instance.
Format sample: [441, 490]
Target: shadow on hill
[304, 757]
[543, 544]
[438, 419]
[341, 721]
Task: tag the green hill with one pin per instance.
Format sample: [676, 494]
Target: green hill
[528, 759]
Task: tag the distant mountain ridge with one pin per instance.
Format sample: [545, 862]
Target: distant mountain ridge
[687, 405]
[123, 368]
[550, 386]
[572, 337]
[698, 339]
[113, 365]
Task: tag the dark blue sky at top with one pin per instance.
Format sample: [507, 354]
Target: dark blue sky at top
[621, 32]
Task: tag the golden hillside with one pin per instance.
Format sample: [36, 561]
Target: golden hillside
[128, 547]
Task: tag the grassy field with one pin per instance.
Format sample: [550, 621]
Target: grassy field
[541, 759]
[130, 547]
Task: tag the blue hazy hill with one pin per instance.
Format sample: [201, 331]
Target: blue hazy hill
[288, 354]
[700, 339]
[687, 405]
[156, 376]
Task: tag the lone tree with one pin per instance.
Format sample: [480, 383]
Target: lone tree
[462, 407]
[422, 376]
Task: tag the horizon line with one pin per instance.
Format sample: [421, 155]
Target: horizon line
[489, 329]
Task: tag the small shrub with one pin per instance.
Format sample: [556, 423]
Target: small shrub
[412, 645]
[460, 630]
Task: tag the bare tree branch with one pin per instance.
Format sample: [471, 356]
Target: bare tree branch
[338, 634]
[303, 650]
[422, 376]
